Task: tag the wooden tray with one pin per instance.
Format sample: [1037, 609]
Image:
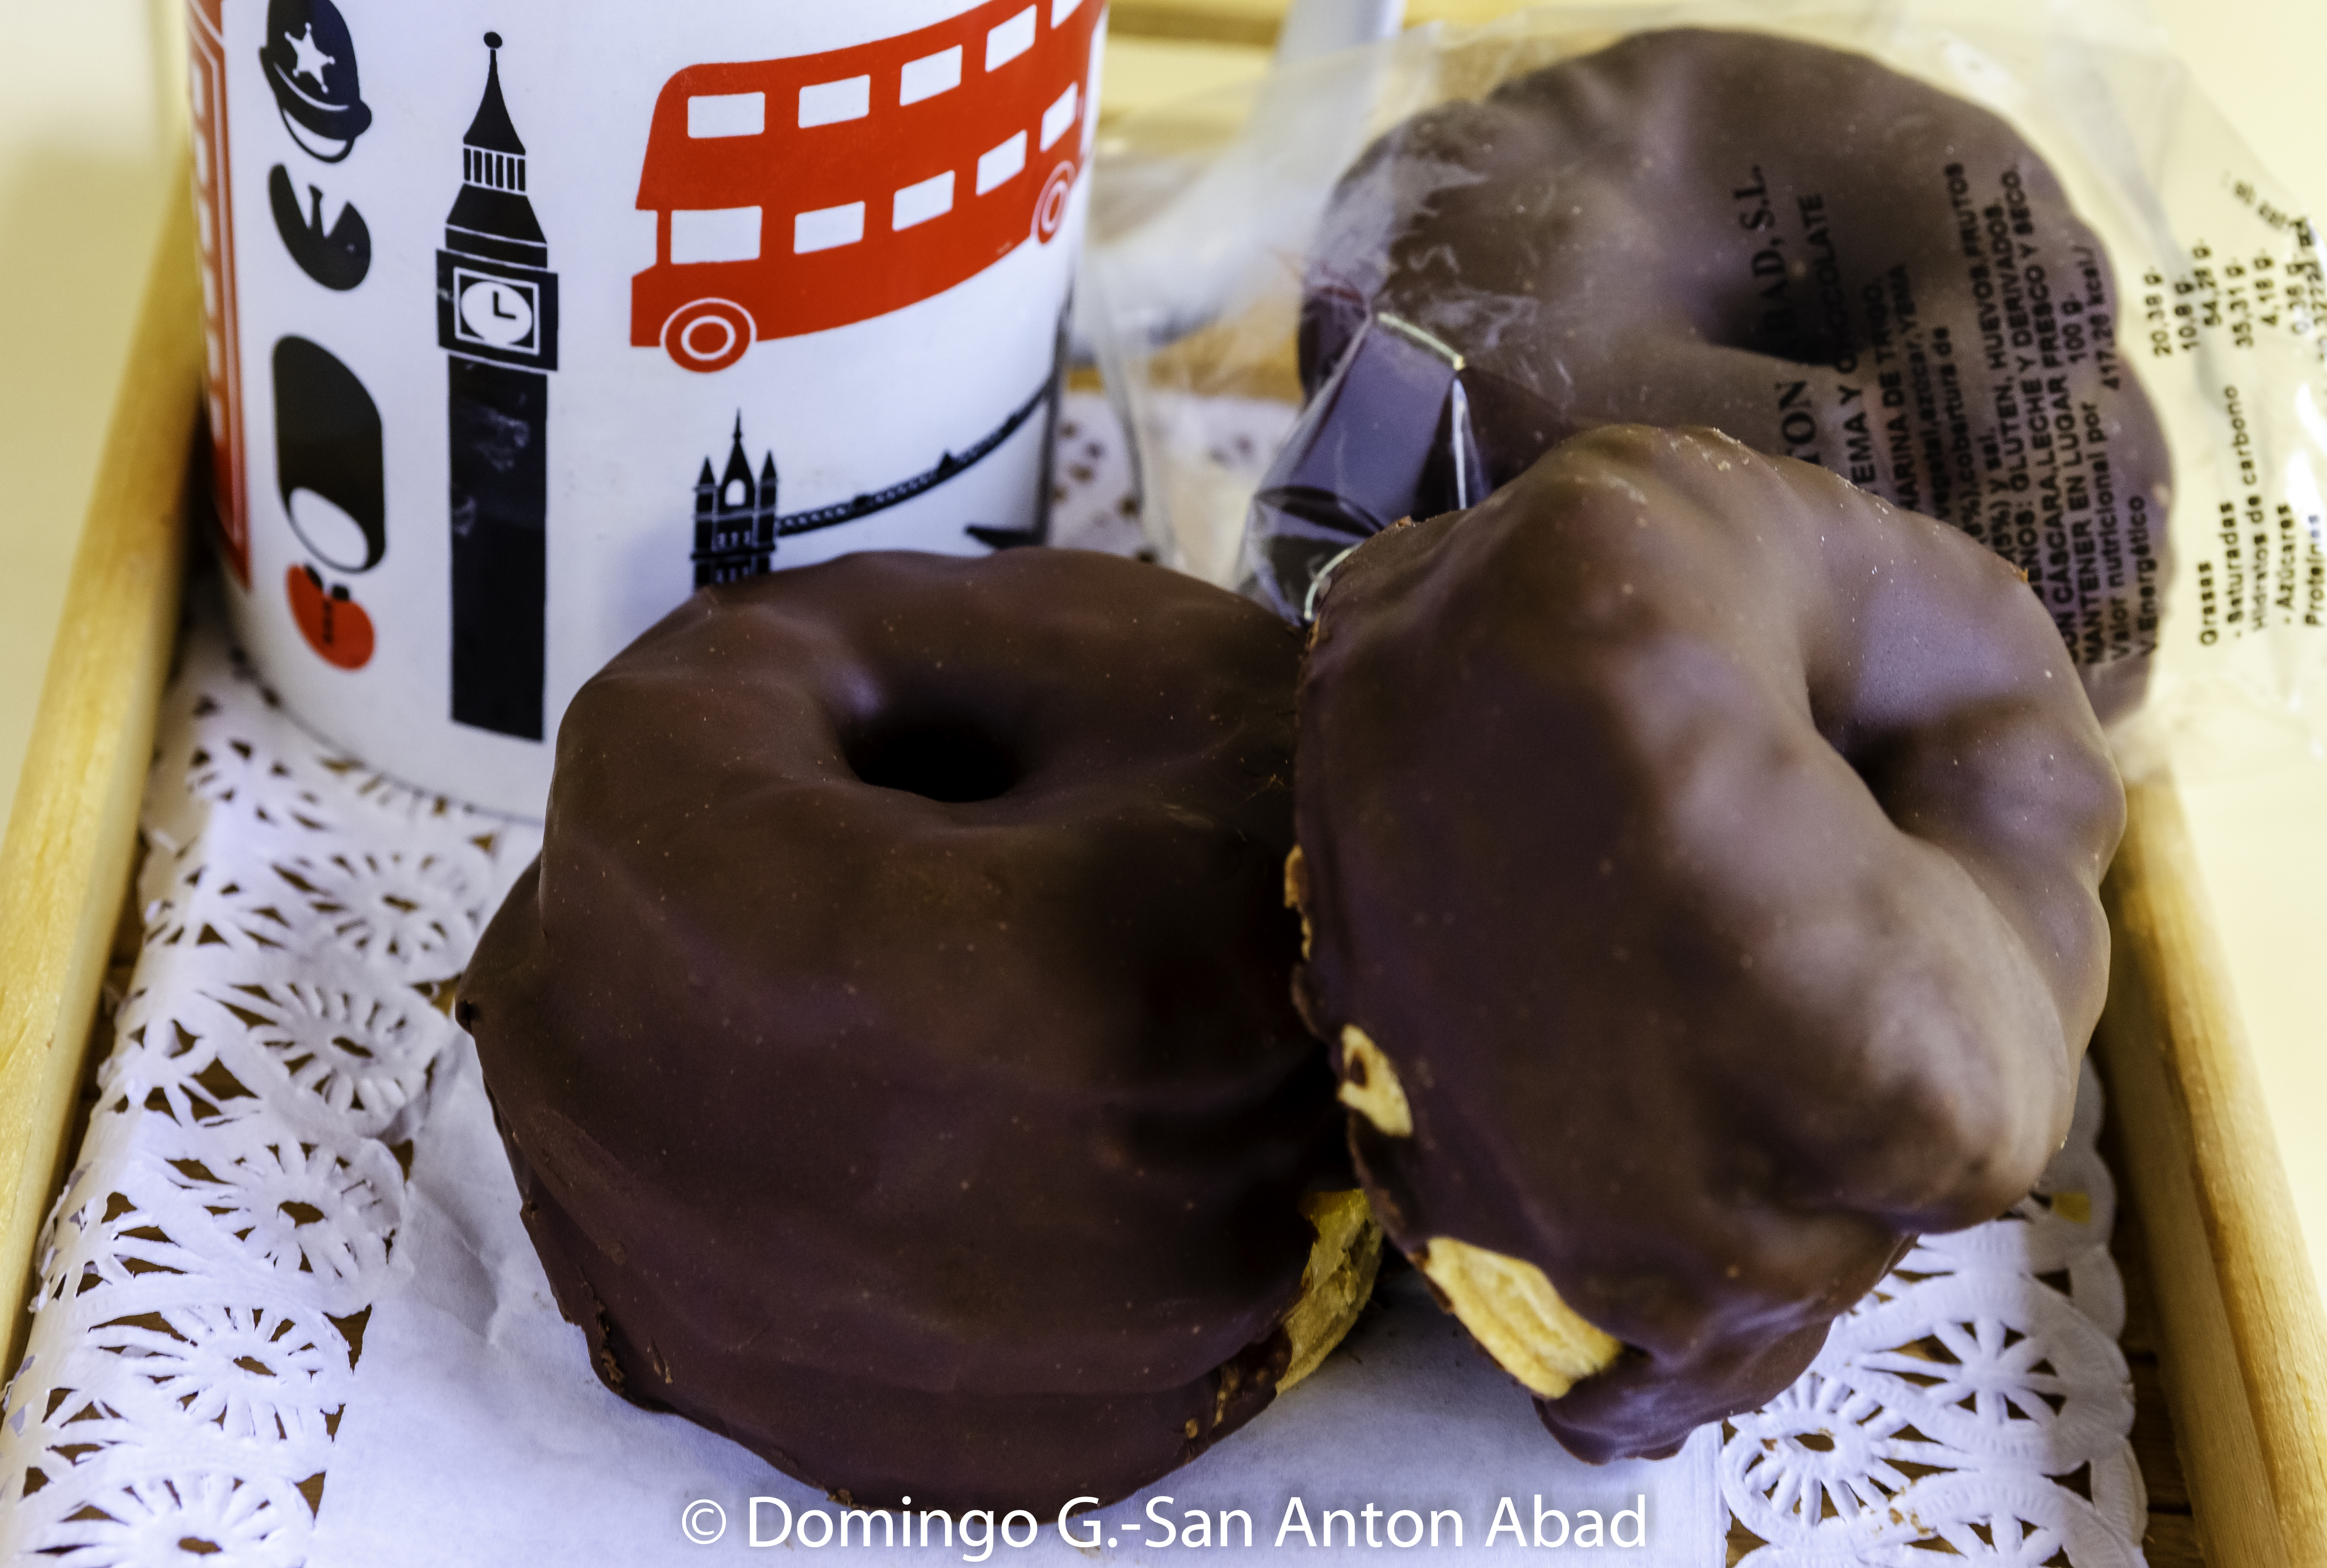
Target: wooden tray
[65, 862]
[2243, 1334]
[2240, 1338]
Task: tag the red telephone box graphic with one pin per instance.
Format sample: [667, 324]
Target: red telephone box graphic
[796, 195]
[221, 328]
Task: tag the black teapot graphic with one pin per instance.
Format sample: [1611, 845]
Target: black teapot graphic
[337, 258]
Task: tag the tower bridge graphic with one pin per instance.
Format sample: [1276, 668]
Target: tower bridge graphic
[797, 195]
[737, 525]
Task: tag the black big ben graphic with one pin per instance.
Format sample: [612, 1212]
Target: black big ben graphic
[497, 319]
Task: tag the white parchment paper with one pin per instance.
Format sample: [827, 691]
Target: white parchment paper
[474, 1406]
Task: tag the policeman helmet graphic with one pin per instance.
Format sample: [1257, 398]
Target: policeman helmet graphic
[310, 58]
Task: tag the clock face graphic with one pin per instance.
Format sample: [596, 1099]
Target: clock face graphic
[495, 311]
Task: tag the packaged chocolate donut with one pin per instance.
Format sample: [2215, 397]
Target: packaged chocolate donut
[1823, 256]
[1917, 246]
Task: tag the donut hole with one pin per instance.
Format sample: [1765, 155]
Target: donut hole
[947, 759]
[1882, 757]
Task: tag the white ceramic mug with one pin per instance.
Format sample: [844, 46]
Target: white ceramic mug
[529, 317]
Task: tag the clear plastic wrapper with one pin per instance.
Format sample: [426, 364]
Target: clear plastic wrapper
[2003, 265]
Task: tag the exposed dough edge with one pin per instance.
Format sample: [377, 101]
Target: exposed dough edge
[1338, 1281]
[1369, 1085]
[1510, 1308]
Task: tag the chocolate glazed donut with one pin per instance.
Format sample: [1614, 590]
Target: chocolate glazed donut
[893, 1043]
[1798, 246]
[1700, 858]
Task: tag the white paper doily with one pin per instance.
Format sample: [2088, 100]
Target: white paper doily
[206, 1275]
[208, 1271]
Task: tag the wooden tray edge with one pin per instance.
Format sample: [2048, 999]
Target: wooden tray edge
[65, 862]
[2245, 1367]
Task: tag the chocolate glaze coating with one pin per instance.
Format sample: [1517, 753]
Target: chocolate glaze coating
[1798, 246]
[892, 1041]
[1713, 850]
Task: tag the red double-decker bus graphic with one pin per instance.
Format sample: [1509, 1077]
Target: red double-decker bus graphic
[796, 195]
